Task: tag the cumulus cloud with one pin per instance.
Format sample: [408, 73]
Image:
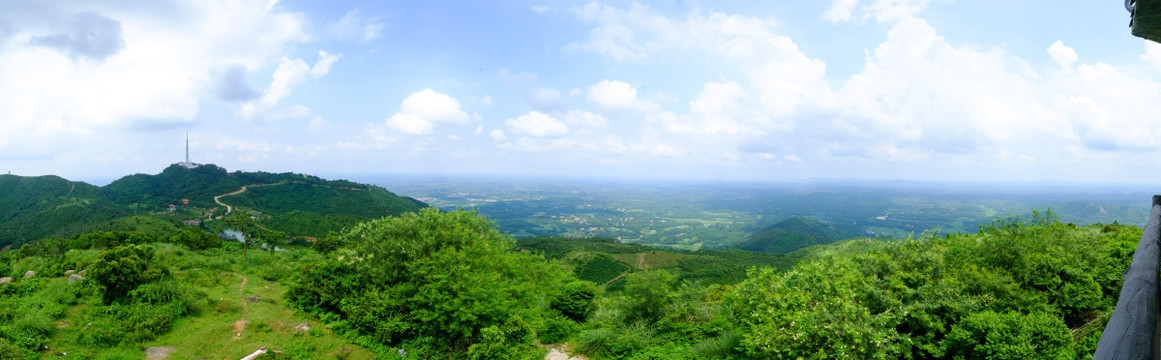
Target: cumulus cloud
[323, 66]
[71, 69]
[290, 74]
[617, 95]
[422, 111]
[1062, 55]
[536, 123]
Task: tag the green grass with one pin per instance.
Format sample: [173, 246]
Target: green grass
[232, 319]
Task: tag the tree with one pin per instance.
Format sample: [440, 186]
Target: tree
[121, 269]
[195, 239]
[434, 280]
[245, 225]
[576, 301]
[648, 294]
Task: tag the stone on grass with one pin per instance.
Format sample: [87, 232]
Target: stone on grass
[75, 277]
[158, 352]
[29, 273]
[304, 326]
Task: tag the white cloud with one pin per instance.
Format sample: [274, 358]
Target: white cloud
[1152, 54]
[536, 123]
[1062, 55]
[74, 68]
[879, 10]
[585, 119]
[617, 95]
[421, 111]
[840, 11]
[497, 135]
[324, 63]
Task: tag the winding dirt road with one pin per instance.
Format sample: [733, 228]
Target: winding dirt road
[218, 199]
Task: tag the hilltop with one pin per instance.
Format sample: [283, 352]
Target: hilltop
[790, 235]
[297, 204]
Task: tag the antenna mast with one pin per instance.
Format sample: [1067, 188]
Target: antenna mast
[187, 146]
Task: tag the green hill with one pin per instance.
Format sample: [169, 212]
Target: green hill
[296, 204]
[43, 206]
[314, 209]
[789, 235]
[155, 192]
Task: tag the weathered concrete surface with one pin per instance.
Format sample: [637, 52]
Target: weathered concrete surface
[1132, 330]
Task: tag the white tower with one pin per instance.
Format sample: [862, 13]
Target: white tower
[187, 164]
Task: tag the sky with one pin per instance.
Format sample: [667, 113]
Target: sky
[919, 90]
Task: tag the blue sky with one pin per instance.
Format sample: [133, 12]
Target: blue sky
[986, 90]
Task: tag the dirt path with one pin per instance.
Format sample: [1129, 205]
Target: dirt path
[218, 199]
[641, 261]
[242, 286]
[240, 325]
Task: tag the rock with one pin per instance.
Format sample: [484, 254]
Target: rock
[556, 355]
[253, 299]
[304, 326]
[158, 352]
[5, 280]
[69, 272]
[75, 277]
[29, 273]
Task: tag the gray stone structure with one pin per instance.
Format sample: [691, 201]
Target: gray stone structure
[1132, 330]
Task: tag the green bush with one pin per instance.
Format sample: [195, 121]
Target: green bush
[121, 269]
[990, 335]
[576, 300]
[436, 279]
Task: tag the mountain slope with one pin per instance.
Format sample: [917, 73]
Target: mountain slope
[43, 206]
[789, 235]
[299, 205]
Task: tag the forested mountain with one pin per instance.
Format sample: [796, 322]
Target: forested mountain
[295, 204]
[42, 206]
[152, 192]
[789, 235]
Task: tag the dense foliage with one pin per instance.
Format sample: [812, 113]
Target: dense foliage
[449, 285]
[441, 284]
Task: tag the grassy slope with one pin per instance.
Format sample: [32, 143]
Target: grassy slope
[213, 333]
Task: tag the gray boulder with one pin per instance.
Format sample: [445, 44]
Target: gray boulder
[5, 280]
[29, 273]
[75, 277]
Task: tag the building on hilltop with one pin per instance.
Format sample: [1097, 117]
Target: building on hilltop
[187, 164]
